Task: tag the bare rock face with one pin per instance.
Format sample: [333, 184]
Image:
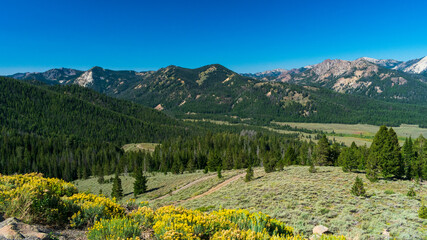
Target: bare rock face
[12, 228]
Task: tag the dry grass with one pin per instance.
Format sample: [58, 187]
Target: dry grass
[303, 200]
[140, 146]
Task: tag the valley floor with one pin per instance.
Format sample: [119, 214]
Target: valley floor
[295, 196]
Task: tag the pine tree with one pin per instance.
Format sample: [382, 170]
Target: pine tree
[140, 185]
[376, 154]
[117, 191]
[290, 156]
[322, 151]
[312, 168]
[358, 189]
[349, 158]
[391, 163]
[219, 172]
[408, 157]
[249, 174]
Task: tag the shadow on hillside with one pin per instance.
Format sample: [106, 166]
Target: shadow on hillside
[154, 189]
[150, 190]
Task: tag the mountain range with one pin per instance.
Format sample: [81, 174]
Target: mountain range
[389, 80]
[365, 90]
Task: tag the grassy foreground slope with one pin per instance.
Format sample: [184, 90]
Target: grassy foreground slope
[300, 199]
[304, 200]
[53, 202]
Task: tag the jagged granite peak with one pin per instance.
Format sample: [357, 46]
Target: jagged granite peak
[52, 74]
[416, 66]
[337, 67]
[387, 63]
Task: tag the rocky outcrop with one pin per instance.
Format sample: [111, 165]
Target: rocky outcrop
[12, 228]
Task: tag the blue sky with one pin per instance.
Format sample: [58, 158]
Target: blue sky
[246, 36]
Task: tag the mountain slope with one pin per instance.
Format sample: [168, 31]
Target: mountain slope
[214, 91]
[364, 76]
[80, 112]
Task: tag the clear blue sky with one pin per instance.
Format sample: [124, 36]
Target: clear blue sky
[246, 36]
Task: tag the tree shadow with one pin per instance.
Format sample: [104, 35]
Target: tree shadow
[154, 189]
[150, 190]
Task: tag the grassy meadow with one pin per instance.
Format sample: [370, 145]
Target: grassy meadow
[140, 146]
[359, 133]
[296, 197]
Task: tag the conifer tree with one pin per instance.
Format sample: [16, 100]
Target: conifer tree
[140, 185]
[312, 168]
[290, 156]
[376, 154]
[219, 172]
[358, 189]
[408, 157]
[249, 174]
[322, 151]
[117, 191]
[391, 162]
[349, 158]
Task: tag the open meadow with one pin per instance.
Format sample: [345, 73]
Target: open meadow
[359, 133]
[294, 196]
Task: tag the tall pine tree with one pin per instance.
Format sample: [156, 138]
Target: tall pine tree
[391, 163]
[140, 185]
[117, 191]
[376, 154]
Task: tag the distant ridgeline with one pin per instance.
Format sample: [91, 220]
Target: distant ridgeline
[330, 92]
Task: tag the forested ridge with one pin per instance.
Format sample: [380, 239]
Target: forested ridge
[80, 112]
[62, 131]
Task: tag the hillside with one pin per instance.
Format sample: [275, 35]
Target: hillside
[380, 79]
[295, 196]
[214, 91]
[80, 112]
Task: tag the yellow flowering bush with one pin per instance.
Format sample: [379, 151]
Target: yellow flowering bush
[91, 208]
[144, 215]
[115, 229]
[32, 197]
[257, 222]
[238, 234]
[192, 224]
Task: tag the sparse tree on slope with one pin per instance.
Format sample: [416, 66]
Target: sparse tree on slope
[358, 189]
[117, 191]
[249, 174]
[140, 185]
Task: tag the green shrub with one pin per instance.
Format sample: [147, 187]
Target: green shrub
[411, 192]
[422, 213]
[358, 189]
[388, 191]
